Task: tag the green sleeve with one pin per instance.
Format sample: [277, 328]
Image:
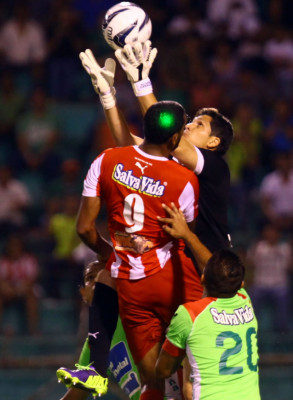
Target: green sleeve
[180, 327]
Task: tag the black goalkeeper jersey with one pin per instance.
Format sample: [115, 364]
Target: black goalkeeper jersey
[214, 183]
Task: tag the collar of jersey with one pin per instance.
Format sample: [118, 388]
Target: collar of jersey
[146, 155]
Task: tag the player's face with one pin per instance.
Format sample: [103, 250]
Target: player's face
[198, 131]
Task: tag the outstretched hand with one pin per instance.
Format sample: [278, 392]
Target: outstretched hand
[136, 60]
[176, 224]
[102, 77]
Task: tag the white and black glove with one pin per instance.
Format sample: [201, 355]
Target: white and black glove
[137, 60]
[102, 78]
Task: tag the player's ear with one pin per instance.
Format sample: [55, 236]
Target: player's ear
[174, 141]
[213, 142]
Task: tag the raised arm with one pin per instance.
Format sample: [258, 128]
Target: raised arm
[103, 82]
[137, 60]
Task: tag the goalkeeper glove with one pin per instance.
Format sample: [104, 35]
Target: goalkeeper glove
[102, 78]
[137, 60]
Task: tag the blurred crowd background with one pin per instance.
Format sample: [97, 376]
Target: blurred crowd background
[235, 55]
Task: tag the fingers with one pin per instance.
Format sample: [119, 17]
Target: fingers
[153, 55]
[172, 210]
[120, 57]
[89, 62]
[91, 57]
[165, 220]
[128, 51]
[110, 65]
[138, 52]
[167, 229]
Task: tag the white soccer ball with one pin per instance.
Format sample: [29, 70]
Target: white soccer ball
[126, 23]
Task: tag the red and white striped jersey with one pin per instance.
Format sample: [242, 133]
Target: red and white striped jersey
[133, 185]
[18, 271]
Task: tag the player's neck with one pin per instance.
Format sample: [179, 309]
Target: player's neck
[155, 149]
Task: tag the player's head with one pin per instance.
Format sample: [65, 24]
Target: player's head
[210, 130]
[163, 120]
[224, 274]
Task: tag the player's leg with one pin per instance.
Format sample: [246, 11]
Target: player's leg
[103, 315]
[75, 393]
[151, 388]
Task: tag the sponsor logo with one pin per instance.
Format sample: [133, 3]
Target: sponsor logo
[143, 184]
[95, 335]
[119, 361]
[131, 384]
[239, 316]
[138, 164]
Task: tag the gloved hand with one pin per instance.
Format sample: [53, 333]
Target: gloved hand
[137, 60]
[102, 78]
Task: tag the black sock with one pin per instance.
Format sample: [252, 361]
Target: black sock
[103, 315]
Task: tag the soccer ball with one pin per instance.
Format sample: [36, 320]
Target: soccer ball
[126, 23]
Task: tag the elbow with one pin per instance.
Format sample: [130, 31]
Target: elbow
[83, 230]
[162, 373]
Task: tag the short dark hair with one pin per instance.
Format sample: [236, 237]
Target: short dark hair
[221, 127]
[162, 120]
[224, 273]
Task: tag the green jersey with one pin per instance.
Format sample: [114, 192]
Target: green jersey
[123, 369]
[220, 338]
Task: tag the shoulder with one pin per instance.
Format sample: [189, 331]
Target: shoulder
[195, 308]
[210, 162]
[270, 179]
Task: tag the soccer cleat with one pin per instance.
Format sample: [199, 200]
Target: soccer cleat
[85, 378]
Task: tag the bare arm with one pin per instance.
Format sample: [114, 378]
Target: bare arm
[167, 364]
[146, 101]
[118, 125]
[186, 154]
[119, 128]
[178, 228]
[86, 226]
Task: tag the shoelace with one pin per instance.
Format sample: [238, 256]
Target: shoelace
[83, 367]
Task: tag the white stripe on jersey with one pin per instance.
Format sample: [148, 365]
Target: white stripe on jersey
[186, 202]
[200, 161]
[137, 269]
[92, 178]
[194, 375]
[164, 254]
[115, 266]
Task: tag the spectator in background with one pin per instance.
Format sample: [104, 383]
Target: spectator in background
[244, 163]
[37, 137]
[68, 182]
[22, 40]
[15, 200]
[271, 261]
[23, 47]
[206, 90]
[61, 267]
[237, 18]
[224, 62]
[19, 273]
[278, 132]
[188, 20]
[66, 39]
[11, 105]
[276, 193]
